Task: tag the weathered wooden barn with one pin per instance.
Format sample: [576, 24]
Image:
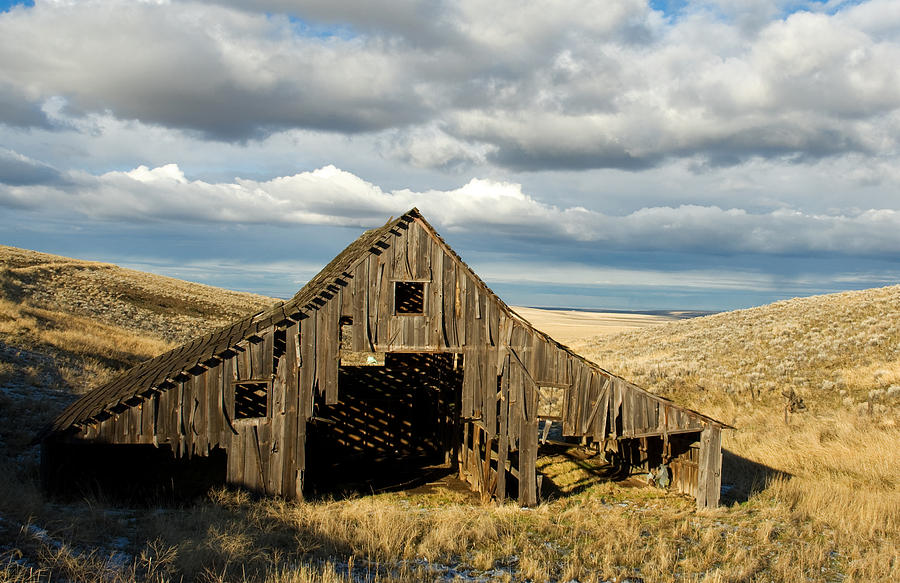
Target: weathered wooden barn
[395, 350]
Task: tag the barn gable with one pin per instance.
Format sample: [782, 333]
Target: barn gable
[395, 350]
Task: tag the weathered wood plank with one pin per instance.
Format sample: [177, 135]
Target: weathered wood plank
[603, 419]
[212, 380]
[462, 305]
[488, 481]
[589, 391]
[226, 385]
[448, 301]
[470, 376]
[702, 470]
[385, 299]
[503, 433]
[300, 466]
[435, 305]
[474, 460]
[179, 424]
[262, 438]
[463, 461]
[537, 360]
[278, 446]
[188, 411]
[490, 391]
[327, 350]
[251, 463]
[201, 415]
[528, 445]
[709, 479]
[652, 413]
[373, 290]
[359, 308]
[289, 431]
[146, 414]
[618, 414]
[266, 353]
[134, 424]
[424, 252]
[571, 411]
[308, 360]
[411, 250]
[163, 416]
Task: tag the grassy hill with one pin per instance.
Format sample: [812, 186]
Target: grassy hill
[71, 324]
[813, 496]
[835, 350]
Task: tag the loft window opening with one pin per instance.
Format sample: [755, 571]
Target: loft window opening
[409, 297]
[251, 399]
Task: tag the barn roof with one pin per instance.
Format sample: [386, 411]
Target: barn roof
[164, 371]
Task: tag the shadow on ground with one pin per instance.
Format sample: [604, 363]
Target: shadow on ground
[566, 470]
[742, 478]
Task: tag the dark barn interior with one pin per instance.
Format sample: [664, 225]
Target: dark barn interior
[394, 424]
[155, 475]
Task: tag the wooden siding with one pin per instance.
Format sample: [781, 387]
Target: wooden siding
[295, 348]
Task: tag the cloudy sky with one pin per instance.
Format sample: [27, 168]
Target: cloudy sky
[709, 154]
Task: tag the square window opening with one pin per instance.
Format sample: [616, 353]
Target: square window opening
[550, 402]
[409, 297]
[251, 399]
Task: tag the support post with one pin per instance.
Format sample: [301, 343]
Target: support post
[709, 476]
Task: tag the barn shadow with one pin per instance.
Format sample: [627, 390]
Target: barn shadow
[128, 475]
[742, 478]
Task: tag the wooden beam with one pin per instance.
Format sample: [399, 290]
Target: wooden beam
[709, 476]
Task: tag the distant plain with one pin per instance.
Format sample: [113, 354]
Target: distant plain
[568, 325]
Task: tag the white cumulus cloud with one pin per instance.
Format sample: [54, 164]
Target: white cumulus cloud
[331, 196]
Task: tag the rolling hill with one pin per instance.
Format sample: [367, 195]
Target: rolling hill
[834, 350]
[70, 323]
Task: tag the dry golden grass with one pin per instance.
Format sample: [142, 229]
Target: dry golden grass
[838, 462]
[605, 532]
[828, 348]
[29, 326]
[78, 352]
[817, 499]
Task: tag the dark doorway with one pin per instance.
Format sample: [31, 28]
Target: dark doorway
[395, 424]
